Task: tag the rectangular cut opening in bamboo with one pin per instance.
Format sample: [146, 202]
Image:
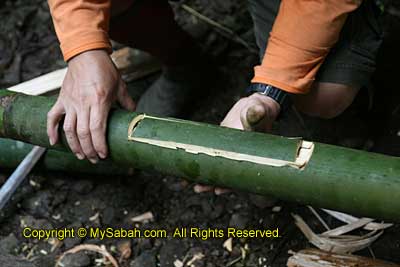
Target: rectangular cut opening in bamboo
[302, 155]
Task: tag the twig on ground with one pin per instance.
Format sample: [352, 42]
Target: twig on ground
[102, 250]
[319, 218]
[230, 33]
[371, 252]
[233, 262]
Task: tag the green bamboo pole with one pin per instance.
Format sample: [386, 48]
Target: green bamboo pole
[333, 177]
[13, 152]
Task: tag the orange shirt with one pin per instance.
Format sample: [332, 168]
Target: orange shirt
[301, 37]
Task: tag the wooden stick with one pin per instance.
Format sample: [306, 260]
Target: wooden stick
[42, 84]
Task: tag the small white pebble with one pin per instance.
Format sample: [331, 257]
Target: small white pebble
[178, 263]
[56, 217]
[34, 184]
[276, 209]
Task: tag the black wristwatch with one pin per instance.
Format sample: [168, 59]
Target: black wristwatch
[280, 96]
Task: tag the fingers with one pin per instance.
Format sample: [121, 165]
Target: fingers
[98, 126]
[86, 132]
[124, 99]
[53, 119]
[84, 135]
[70, 134]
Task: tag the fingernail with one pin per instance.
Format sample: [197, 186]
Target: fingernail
[93, 160]
[51, 142]
[102, 155]
[79, 156]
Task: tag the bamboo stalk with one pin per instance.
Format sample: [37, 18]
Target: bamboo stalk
[321, 175]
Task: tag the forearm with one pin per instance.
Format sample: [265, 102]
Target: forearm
[302, 36]
[81, 25]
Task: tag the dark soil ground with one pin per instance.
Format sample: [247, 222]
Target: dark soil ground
[28, 48]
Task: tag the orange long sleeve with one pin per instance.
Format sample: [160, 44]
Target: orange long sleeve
[81, 25]
[301, 37]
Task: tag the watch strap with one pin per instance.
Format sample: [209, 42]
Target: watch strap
[280, 96]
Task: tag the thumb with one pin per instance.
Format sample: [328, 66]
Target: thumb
[124, 99]
[252, 115]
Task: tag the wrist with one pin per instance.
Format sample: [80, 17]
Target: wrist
[89, 55]
[277, 96]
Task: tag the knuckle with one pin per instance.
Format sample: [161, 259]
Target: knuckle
[83, 133]
[96, 123]
[95, 127]
[68, 128]
[101, 94]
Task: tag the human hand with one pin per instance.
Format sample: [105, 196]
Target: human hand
[92, 84]
[255, 112]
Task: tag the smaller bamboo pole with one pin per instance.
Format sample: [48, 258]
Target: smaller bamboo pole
[19, 175]
[13, 152]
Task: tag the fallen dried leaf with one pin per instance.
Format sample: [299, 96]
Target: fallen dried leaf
[228, 244]
[337, 243]
[349, 219]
